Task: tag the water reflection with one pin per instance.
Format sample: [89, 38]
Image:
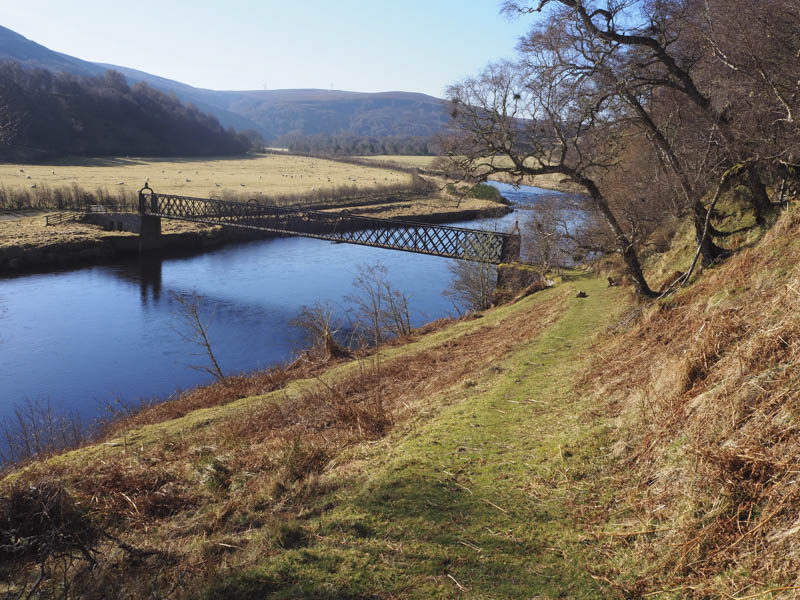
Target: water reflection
[148, 271]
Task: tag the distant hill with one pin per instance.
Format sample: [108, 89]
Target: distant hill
[272, 113]
[29, 54]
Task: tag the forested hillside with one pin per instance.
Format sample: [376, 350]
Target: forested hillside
[46, 115]
[322, 143]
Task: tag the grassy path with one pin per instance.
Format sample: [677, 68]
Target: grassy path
[477, 503]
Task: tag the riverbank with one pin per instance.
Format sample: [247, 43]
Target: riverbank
[28, 245]
[261, 493]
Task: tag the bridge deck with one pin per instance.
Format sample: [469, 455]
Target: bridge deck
[438, 240]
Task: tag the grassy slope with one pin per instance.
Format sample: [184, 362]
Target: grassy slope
[472, 492]
[477, 501]
[704, 388]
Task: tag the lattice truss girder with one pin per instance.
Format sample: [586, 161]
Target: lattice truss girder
[438, 240]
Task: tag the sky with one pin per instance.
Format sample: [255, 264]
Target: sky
[356, 45]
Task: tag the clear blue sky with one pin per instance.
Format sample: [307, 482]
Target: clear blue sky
[358, 45]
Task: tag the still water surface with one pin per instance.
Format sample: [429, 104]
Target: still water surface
[79, 338]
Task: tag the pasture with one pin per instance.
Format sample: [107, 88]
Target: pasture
[258, 175]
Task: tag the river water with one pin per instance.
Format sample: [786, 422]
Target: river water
[79, 338]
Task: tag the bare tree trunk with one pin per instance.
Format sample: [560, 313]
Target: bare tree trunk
[758, 195]
[709, 251]
[624, 245]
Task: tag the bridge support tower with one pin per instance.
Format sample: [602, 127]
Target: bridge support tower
[150, 233]
[512, 246]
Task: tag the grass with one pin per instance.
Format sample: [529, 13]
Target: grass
[476, 502]
[704, 387]
[260, 175]
[252, 475]
[407, 161]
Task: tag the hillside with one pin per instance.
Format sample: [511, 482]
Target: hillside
[703, 393]
[50, 116]
[556, 447]
[272, 113]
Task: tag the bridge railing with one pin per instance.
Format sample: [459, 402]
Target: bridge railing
[423, 238]
[64, 216]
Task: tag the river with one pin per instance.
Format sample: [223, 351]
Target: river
[80, 338]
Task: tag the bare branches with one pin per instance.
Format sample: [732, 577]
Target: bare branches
[193, 328]
[381, 310]
[549, 113]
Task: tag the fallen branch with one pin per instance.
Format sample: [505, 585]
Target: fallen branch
[132, 550]
[461, 587]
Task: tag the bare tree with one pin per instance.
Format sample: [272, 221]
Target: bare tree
[381, 310]
[663, 49]
[621, 68]
[192, 326]
[539, 117]
[473, 285]
[320, 324]
[548, 236]
[36, 429]
[752, 62]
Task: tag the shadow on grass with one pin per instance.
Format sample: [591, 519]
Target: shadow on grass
[415, 537]
[253, 586]
[575, 275]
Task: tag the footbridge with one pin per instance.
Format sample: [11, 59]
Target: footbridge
[344, 227]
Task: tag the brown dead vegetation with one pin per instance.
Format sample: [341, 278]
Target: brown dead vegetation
[219, 494]
[706, 389]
